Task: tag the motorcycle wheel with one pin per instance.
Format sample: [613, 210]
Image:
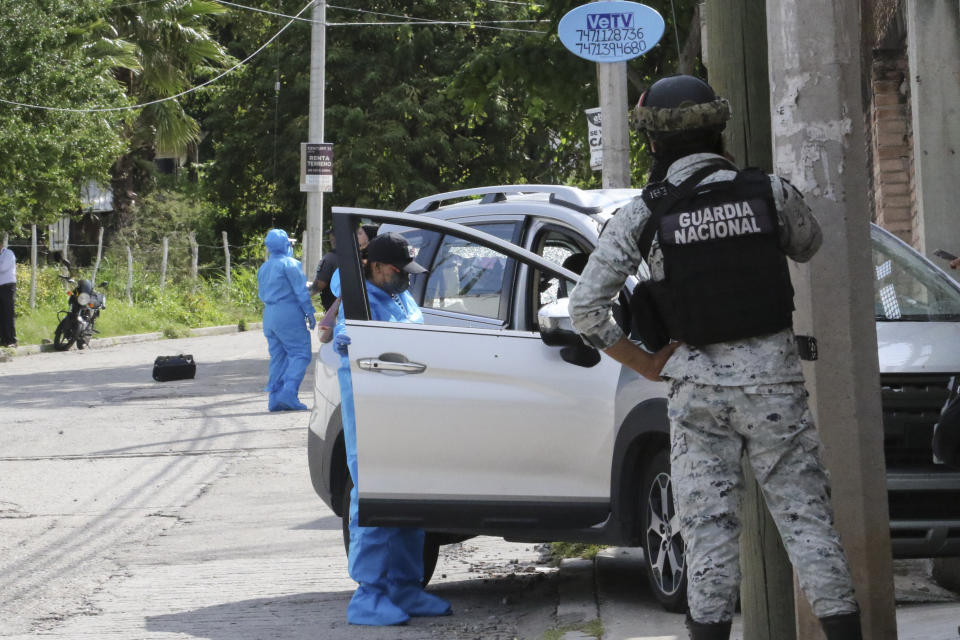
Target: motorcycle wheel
[63, 337]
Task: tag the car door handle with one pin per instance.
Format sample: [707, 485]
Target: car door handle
[391, 362]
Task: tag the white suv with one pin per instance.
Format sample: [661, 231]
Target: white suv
[493, 418]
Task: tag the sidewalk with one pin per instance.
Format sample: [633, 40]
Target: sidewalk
[613, 589]
[7, 353]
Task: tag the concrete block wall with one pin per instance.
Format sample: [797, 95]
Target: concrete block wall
[892, 146]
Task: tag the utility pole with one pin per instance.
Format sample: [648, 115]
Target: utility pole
[314, 249]
[612, 89]
[819, 144]
[736, 59]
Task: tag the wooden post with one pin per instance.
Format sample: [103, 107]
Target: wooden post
[66, 241]
[195, 251]
[163, 263]
[33, 266]
[129, 275]
[226, 255]
[96, 265]
[736, 59]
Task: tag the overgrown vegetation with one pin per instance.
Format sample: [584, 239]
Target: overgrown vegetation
[179, 306]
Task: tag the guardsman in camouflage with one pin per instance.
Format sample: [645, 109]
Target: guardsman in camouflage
[735, 380]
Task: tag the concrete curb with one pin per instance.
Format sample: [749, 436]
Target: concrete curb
[7, 353]
[576, 597]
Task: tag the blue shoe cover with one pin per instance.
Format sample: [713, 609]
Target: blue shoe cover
[416, 602]
[371, 606]
[290, 402]
[273, 404]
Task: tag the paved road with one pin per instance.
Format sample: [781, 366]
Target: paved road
[136, 510]
[133, 509]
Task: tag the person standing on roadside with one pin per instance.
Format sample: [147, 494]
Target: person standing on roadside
[8, 292]
[386, 562]
[716, 239]
[287, 311]
[329, 263]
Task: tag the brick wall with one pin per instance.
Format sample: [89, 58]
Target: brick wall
[892, 146]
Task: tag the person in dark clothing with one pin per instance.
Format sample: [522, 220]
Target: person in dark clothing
[8, 290]
[321, 281]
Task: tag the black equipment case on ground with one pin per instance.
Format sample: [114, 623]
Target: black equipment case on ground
[181, 367]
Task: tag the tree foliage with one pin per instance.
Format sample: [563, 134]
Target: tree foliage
[53, 53]
[411, 109]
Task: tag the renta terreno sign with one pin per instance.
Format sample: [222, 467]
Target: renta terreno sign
[611, 31]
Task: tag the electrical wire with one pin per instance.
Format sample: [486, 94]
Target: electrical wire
[168, 98]
[477, 25]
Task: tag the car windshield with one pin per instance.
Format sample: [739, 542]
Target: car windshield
[906, 288]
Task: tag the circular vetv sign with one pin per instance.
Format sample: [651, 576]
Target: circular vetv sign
[611, 31]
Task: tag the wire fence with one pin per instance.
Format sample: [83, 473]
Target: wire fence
[176, 256]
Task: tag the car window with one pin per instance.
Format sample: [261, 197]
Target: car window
[562, 249]
[906, 288]
[469, 278]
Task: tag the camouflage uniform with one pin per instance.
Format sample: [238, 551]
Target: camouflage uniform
[726, 398]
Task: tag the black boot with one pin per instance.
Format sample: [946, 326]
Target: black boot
[842, 627]
[708, 630]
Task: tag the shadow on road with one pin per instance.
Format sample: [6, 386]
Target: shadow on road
[128, 383]
[329, 523]
[487, 608]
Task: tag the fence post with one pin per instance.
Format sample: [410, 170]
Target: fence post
[163, 263]
[195, 250]
[96, 265]
[66, 242]
[226, 255]
[129, 275]
[33, 266]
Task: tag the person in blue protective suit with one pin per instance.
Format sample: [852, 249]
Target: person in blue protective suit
[286, 313]
[386, 562]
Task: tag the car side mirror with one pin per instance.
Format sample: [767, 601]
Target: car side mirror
[556, 330]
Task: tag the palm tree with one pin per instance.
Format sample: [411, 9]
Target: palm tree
[174, 49]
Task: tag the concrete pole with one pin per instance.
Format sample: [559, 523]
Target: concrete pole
[612, 86]
[735, 54]
[96, 265]
[313, 248]
[612, 90]
[818, 108]
[933, 50]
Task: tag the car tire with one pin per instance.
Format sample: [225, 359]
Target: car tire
[431, 547]
[666, 567]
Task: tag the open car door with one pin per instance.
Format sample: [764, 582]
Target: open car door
[469, 428]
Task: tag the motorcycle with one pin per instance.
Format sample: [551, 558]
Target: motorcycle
[77, 324]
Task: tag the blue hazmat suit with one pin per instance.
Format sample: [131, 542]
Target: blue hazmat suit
[287, 311]
[386, 562]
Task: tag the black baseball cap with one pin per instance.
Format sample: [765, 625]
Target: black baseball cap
[394, 249]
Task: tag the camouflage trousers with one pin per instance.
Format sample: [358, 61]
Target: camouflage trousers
[711, 426]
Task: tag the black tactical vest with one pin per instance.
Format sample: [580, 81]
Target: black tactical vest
[726, 277]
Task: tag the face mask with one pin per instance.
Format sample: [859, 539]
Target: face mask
[397, 283]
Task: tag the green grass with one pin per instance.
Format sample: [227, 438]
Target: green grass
[561, 550]
[593, 628]
[180, 306]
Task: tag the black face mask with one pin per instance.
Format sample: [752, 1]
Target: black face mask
[397, 283]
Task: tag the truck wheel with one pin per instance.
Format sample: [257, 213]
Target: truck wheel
[431, 547]
[664, 548]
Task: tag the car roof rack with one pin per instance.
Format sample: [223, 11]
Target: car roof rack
[570, 197]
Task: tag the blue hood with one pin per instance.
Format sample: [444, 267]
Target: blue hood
[277, 241]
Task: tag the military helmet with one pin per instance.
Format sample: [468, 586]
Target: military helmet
[680, 104]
